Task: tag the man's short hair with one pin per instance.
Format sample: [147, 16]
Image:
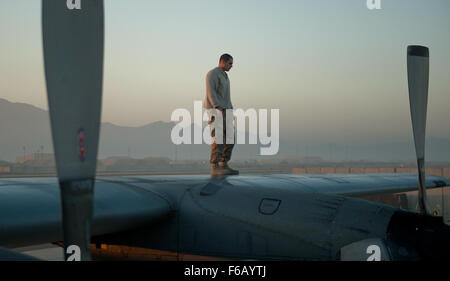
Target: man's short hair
[225, 57]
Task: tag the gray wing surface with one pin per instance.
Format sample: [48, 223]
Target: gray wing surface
[30, 210]
[341, 184]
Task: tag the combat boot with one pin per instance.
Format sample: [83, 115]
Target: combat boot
[216, 170]
[227, 168]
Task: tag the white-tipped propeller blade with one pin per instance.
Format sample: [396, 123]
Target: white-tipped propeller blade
[418, 73]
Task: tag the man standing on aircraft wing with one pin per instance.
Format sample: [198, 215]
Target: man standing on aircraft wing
[218, 104]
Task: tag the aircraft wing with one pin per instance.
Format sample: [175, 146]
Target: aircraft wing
[30, 207]
[30, 210]
[342, 184]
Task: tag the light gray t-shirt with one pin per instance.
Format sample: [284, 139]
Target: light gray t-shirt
[217, 89]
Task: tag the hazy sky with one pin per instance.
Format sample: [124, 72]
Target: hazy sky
[335, 69]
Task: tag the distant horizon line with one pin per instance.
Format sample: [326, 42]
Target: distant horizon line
[171, 122]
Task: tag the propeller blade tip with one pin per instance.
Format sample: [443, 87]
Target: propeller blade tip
[420, 51]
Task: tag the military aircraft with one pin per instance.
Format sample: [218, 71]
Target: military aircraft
[199, 217]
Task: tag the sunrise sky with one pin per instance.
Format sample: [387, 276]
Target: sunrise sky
[335, 69]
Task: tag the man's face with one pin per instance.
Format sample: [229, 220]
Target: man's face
[228, 65]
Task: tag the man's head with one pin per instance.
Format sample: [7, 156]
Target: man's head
[226, 62]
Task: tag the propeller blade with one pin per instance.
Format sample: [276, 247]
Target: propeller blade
[418, 73]
[73, 41]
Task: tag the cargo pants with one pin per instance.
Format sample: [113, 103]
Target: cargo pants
[222, 135]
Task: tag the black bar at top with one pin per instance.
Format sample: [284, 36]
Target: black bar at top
[419, 51]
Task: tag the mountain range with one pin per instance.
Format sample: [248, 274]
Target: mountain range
[25, 129]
